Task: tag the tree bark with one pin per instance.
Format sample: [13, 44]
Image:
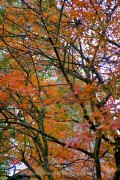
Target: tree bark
[96, 153]
[117, 158]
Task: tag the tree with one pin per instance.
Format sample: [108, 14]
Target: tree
[59, 87]
[3, 163]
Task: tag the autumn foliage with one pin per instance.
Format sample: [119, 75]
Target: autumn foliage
[60, 87]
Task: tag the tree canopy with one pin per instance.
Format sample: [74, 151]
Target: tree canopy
[60, 87]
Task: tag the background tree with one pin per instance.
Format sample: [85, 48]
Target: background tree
[59, 91]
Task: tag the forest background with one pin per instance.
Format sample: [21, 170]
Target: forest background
[60, 88]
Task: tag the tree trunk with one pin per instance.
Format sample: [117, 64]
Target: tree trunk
[96, 153]
[117, 159]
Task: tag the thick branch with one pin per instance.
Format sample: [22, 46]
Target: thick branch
[51, 138]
